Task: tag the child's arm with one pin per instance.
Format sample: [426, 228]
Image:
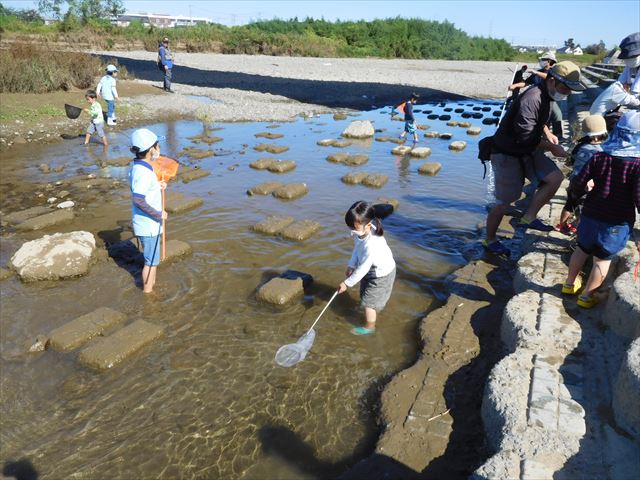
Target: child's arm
[366, 262]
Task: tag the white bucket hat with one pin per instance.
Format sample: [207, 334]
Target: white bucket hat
[143, 139]
[112, 68]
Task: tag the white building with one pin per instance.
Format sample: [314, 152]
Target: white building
[159, 20]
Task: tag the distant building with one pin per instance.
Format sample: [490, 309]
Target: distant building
[570, 51]
[578, 51]
[533, 48]
[159, 20]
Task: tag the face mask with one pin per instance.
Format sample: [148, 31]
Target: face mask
[557, 96]
[542, 63]
[155, 154]
[632, 62]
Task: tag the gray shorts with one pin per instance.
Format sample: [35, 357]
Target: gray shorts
[509, 175]
[96, 128]
[375, 291]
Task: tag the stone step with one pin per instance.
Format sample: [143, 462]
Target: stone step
[79, 331]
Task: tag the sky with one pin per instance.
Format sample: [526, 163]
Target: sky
[540, 22]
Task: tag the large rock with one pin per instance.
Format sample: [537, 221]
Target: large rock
[176, 249]
[359, 129]
[56, 256]
[279, 291]
[79, 331]
[265, 188]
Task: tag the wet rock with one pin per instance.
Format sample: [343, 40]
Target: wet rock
[354, 178]
[388, 200]
[444, 117]
[63, 194]
[431, 134]
[269, 135]
[383, 210]
[205, 138]
[47, 220]
[280, 291]
[424, 127]
[79, 331]
[59, 169]
[486, 109]
[51, 200]
[459, 110]
[176, 249]
[458, 146]
[281, 166]
[339, 116]
[301, 230]
[102, 182]
[359, 129]
[19, 141]
[272, 224]
[356, 160]
[326, 142]
[291, 191]
[401, 150]
[375, 180]
[474, 131]
[490, 121]
[466, 115]
[119, 161]
[430, 168]
[176, 202]
[452, 123]
[66, 204]
[4, 274]
[262, 163]
[420, 152]
[54, 257]
[307, 279]
[44, 168]
[445, 136]
[22, 215]
[189, 174]
[265, 188]
[448, 109]
[268, 147]
[341, 143]
[627, 391]
[109, 351]
[476, 115]
[380, 130]
[40, 344]
[464, 124]
[432, 116]
[196, 153]
[273, 125]
[337, 157]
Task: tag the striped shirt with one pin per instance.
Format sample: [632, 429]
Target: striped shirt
[616, 190]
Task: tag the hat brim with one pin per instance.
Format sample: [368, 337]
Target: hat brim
[576, 86]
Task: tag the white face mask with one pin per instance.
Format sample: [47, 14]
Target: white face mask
[542, 63]
[557, 96]
[155, 153]
[632, 62]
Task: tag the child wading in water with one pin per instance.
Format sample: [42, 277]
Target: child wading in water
[371, 263]
[97, 121]
[409, 121]
[594, 129]
[146, 209]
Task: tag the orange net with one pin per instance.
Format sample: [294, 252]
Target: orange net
[165, 168]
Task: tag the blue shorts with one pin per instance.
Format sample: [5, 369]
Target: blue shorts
[151, 250]
[410, 127]
[602, 239]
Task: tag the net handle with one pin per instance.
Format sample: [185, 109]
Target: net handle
[323, 310]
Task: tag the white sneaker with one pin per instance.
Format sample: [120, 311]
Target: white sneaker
[110, 122]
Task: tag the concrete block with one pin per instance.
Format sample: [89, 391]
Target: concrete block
[266, 188]
[281, 166]
[375, 180]
[262, 163]
[573, 424]
[622, 312]
[430, 168]
[420, 152]
[47, 220]
[176, 249]
[189, 174]
[354, 178]
[458, 146]
[279, 291]
[269, 135]
[79, 331]
[176, 202]
[291, 191]
[272, 224]
[301, 230]
[109, 351]
[626, 391]
[546, 419]
[401, 150]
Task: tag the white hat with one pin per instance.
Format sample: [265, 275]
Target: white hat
[548, 55]
[112, 68]
[630, 120]
[143, 139]
[594, 125]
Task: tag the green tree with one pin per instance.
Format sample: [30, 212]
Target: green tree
[83, 9]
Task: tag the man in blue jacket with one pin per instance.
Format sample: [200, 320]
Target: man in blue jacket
[165, 63]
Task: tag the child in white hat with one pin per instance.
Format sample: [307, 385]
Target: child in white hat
[107, 90]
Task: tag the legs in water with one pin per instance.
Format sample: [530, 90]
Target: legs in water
[148, 278]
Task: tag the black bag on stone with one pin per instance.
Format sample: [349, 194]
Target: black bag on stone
[485, 146]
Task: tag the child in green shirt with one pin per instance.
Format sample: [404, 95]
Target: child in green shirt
[97, 120]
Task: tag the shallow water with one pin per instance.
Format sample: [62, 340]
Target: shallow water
[207, 400]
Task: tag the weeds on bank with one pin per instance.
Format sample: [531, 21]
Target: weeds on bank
[27, 114]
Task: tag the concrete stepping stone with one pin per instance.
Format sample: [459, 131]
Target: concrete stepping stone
[281, 166]
[44, 168]
[339, 116]
[54, 257]
[262, 163]
[209, 140]
[375, 180]
[291, 191]
[119, 161]
[432, 116]
[445, 136]
[424, 127]
[326, 142]
[280, 291]
[176, 202]
[271, 148]
[354, 178]
[388, 200]
[22, 215]
[386, 138]
[342, 143]
[359, 129]
[348, 159]
[458, 146]
[189, 174]
[4, 274]
[272, 224]
[265, 188]
[452, 123]
[77, 332]
[420, 152]
[112, 350]
[337, 157]
[196, 153]
[401, 150]
[300, 230]
[464, 124]
[430, 168]
[444, 117]
[100, 182]
[474, 131]
[307, 279]
[273, 125]
[176, 249]
[269, 135]
[56, 217]
[431, 134]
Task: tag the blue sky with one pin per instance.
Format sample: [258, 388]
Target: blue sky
[526, 22]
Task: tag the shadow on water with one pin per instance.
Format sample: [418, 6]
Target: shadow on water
[332, 94]
[21, 469]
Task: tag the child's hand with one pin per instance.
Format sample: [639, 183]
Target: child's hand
[342, 288]
[164, 215]
[348, 271]
[590, 185]
[163, 184]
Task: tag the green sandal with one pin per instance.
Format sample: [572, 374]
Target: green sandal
[363, 331]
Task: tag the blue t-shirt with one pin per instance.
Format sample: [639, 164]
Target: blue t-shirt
[144, 183]
[107, 86]
[582, 156]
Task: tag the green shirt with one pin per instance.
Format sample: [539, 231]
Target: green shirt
[95, 110]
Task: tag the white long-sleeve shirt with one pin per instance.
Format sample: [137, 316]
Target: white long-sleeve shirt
[370, 251]
[611, 97]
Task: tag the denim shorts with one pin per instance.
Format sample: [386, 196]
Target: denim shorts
[602, 239]
[151, 250]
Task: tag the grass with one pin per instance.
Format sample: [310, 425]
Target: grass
[531, 59]
[31, 114]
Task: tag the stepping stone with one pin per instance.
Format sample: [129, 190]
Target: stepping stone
[486, 109]
[395, 140]
[281, 166]
[269, 147]
[265, 188]
[432, 135]
[401, 150]
[458, 146]
[429, 168]
[300, 230]
[448, 109]
[444, 117]
[176, 202]
[339, 116]
[464, 124]
[420, 152]
[280, 291]
[262, 163]
[47, 220]
[272, 224]
[4, 274]
[356, 160]
[476, 109]
[196, 153]
[269, 135]
[388, 200]
[474, 131]
[497, 113]
[476, 115]
[77, 332]
[176, 249]
[337, 157]
[466, 115]
[44, 168]
[307, 279]
[189, 174]
[446, 136]
[110, 351]
[119, 162]
[490, 121]
[341, 143]
[375, 180]
[359, 129]
[326, 142]
[354, 178]
[291, 191]
[452, 123]
[205, 139]
[459, 110]
[273, 125]
[433, 116]
[22, 215]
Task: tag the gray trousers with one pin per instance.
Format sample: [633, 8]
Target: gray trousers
[167, 79]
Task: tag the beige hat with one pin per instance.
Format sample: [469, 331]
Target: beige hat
[594, 125]
[569, 74]
[548, 55]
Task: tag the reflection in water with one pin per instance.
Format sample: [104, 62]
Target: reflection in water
[203, 401]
